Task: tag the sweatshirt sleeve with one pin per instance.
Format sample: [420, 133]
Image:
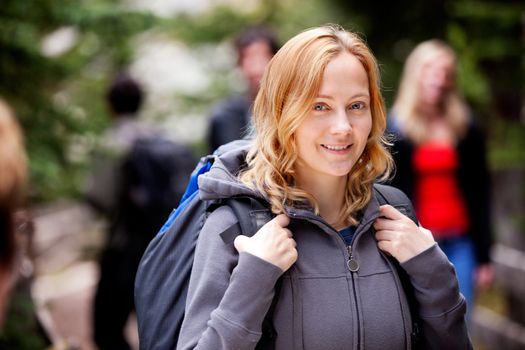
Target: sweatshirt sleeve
[229, 294]
[441, 307]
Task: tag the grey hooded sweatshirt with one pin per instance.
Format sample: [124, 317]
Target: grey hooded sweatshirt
[322, 304]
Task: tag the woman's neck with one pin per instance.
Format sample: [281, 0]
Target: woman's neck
[329, 192]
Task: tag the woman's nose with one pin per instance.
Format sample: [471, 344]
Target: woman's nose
[341, 122]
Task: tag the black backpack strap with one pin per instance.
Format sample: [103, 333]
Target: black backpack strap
[396, 198]
[252, 214]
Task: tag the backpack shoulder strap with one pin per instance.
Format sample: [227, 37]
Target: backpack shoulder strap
[192, 191]
[396, 198]
[252, 213]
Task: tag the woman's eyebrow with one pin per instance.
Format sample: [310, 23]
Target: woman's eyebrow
[325, 96]
[352, 97]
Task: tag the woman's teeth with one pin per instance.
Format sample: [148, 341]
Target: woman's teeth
[336, 148]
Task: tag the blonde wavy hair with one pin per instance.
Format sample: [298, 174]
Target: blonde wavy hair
[406, 108]
[13, 162]
[288, 89]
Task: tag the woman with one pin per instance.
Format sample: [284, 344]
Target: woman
[441, 165]
[319, 120]
[12, 180]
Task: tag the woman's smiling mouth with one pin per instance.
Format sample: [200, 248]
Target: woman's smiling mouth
[336, 148]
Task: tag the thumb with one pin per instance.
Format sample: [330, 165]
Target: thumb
[282, 220]
[240, 243]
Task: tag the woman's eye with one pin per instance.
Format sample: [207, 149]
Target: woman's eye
[319, 107]
[357, 105]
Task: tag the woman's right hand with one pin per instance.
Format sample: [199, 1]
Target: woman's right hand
[272, 243]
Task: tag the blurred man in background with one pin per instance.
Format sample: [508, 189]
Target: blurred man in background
[137, 179]
[230, 119]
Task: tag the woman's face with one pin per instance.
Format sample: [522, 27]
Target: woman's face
[333, 136]
[437, 77]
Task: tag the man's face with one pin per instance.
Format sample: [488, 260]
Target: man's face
[254, 59]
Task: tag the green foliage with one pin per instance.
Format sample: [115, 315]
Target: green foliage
[213, 26]
[507, 144]
[48, 93]
[21, 330]
[487, 37]
[291, 17]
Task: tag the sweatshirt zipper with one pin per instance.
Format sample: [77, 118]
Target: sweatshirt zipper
[352, 265]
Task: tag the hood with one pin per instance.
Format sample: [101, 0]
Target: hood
[221, 181]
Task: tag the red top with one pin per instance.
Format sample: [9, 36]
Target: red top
[439, 203]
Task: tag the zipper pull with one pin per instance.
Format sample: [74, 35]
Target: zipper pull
[352, 264]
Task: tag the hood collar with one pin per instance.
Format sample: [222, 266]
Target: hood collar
[221, 181]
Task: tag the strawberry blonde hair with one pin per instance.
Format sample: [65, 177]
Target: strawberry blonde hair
[288, 88]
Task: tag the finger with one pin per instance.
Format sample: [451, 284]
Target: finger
[385, 235]
[240, 243]
[294, 255]
[425, 232]
[381, 224]
[289, 233]
[390, 212]
[282, 220]
[385, 246]
[390, 224]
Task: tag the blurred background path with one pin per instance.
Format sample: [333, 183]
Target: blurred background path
[68, 236]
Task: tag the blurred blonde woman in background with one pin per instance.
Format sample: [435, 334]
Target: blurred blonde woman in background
[12, 182]
[441, 162]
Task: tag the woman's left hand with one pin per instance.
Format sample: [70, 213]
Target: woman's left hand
[399, 236]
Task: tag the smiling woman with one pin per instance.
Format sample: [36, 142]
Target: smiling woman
[321, 274]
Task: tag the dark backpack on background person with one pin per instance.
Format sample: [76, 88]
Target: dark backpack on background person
[154, 175]
[163, 275]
